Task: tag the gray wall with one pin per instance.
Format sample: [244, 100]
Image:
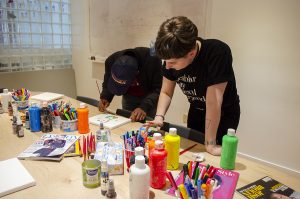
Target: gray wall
[58, 81]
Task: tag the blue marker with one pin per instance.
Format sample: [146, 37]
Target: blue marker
[199, 189]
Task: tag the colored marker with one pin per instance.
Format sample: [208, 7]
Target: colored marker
[183, 191]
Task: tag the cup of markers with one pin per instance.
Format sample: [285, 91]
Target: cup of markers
[21, 98]
[68, 117]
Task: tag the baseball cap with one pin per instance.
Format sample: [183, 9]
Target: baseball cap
[123, 73]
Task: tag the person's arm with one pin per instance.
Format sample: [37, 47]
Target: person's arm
[214, 99]
[165, 97]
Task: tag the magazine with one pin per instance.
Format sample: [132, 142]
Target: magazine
[267, 188]
[74, 150]
[109, 120]
[226, 183]
[49, 147]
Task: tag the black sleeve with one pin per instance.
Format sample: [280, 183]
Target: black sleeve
[167, 73]
[105, 94]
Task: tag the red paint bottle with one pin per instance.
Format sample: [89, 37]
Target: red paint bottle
[158, 165]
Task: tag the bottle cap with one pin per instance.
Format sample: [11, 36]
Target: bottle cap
[82, 105]
[159, 144]
[139, 151]
[139, 161]
[172, 131]
[5, 90]
[231, 132]
[157, 136]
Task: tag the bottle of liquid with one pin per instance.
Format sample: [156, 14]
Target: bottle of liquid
[139, 176]
[46, 119]
[14, 125]
[1, 107]
[158, 165]
[83, 118]
[138, 151]
[34, 118]
[229, 150]
[6, 97]
[27, 122]
[172, 146]
[104, 177]
[102, 134]
[20, 130]
[151, 143]
[10, 109]
[111, 192]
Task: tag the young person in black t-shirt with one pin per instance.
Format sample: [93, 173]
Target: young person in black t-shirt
[136, 75]
[203, 70]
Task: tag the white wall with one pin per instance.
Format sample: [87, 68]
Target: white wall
[263, 36]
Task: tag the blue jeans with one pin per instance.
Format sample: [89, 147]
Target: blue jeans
[130, 103]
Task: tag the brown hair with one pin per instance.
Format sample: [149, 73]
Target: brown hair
[176, 38]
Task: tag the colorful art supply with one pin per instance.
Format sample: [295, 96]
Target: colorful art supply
[91, 173]
[21, 97]
[46, 119]
[158, 165]
[151, 142]
[229, 150]
[172, 146]
[83, 118]
[139, 176]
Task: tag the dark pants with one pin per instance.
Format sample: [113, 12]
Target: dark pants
[130, 103]
[229, 119]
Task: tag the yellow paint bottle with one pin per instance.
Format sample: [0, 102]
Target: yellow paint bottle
[172, 146]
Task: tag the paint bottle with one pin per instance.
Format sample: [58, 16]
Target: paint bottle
[229, 150]
[27, 122]
[172, 146]
[158, 165]
[83, 118]
[6, 97]
[138, 151]
[151, 143]
[34, 118]
[139, 176]
[1, 107]
[102, 134]
[20, 130]
[104, 177]
[46, 119]
[111, 192]
[14, 125]
[10, 109]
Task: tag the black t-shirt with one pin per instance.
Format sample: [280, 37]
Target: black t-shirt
[212, 65]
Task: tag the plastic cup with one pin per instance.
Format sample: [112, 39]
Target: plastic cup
[128, 154]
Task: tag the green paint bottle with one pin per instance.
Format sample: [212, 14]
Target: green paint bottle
[229, 150]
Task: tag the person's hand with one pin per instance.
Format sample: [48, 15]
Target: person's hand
[157, 122]
[103, 104]
[137, 114]
[213, 149]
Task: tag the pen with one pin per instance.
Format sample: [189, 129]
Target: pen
[183, 191]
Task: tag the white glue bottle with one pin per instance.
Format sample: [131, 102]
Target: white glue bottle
[6, 97]
[139, 179]
[104, 177]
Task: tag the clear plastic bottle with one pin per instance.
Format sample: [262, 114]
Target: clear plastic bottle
[46, 119]
[229, 150]
[111, 192]
[158, 165]
[104, 177]
[139, 176]
[6, 97]
[83, 118]
[172, 146]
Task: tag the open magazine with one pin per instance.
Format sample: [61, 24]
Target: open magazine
[49, 147]
[268, 188]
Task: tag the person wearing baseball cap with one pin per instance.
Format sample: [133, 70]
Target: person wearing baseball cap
[136, 75]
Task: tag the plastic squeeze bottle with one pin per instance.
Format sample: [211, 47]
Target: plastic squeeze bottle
[138, 151]
[34, 117]
[5, 97]
[83, 118]
[151, 144]
[229, 150]
[139, 176]
[158, 165]
[172, 145]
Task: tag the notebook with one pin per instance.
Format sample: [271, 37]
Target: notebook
[109, 120]
[14, 177]
[47, 96]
